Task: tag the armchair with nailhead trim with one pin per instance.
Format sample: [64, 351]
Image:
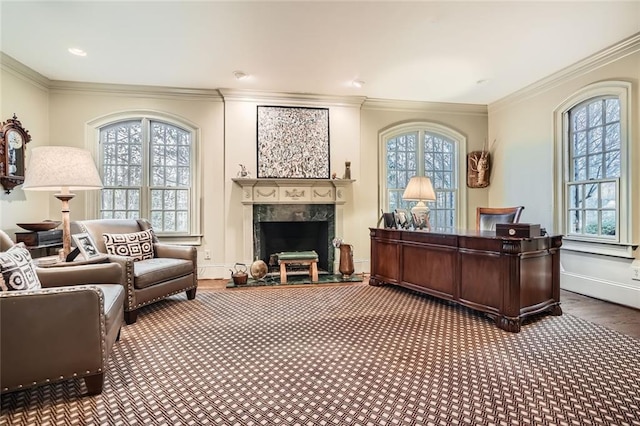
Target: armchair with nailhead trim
[170, 269]
[64, 330]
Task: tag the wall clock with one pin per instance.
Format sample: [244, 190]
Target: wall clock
[13, 141]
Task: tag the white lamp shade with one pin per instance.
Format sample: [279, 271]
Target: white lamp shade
[419, 189]
[54, 168]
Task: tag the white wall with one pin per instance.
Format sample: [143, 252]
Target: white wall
[73, 106]
[523, 166]
[25, 94]
[469, 120]
[240, 148]
[523, 125]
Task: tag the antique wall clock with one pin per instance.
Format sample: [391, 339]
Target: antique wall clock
[13, 140]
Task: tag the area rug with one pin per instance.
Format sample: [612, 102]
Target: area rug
[346, 355]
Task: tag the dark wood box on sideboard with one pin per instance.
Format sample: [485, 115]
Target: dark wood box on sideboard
[517, 230]
[39, 238]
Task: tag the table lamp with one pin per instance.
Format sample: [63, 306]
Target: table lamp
[420, 189]
[62, 169]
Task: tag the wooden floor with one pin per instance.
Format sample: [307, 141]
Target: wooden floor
[616, 317]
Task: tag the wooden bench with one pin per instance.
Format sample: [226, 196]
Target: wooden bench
[298, 258]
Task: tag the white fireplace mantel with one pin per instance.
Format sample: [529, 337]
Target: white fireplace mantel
[293, 191]
[289, 191]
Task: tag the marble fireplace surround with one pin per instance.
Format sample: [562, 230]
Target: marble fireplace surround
[291, 200]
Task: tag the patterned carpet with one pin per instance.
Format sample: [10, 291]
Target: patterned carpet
[346, 355]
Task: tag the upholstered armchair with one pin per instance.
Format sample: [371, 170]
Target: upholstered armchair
[62, 327]
[151, 270]
[487, 217]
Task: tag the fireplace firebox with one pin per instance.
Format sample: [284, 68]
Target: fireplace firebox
[295, 227]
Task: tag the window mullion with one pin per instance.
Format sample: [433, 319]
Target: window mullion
[421, 153]
[145, 192]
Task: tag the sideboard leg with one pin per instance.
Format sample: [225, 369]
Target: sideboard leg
[508, 324]
[375, 282]
[556, 310]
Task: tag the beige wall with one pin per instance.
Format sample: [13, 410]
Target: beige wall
[74, 106]
[523, 125]
[523, 166]
[226, 121]
[27, 98]
[240, 148]
[469, 120]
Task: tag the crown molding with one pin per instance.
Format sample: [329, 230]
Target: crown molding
[604, 57]
[420, 106]
[18, 69]
[284, 98]
[130, 90]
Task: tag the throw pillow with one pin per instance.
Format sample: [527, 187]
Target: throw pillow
[138, 245]
[17, 271]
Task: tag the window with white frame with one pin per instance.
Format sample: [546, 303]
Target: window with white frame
[593, 133]
[424, 149]
[148, 170]
[594, 168]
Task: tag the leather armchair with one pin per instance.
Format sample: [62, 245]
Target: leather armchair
[172, 270]
[487, 217]
[64, 330]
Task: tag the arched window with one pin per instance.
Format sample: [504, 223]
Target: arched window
[424, 149]
[148, 167]
[592, 140]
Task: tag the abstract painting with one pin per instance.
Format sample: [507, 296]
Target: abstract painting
[293, 142]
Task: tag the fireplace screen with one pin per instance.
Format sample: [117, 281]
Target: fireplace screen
[293, 142]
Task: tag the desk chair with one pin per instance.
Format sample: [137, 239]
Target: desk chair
[487, 217]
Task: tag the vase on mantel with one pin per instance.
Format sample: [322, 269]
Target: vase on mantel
[346, 260]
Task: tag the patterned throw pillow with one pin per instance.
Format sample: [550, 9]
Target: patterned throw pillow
[17, 271]
[138, 245]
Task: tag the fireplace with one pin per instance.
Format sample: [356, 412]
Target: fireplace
[316, 205]
[294, 227]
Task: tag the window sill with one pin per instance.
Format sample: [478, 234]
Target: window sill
[185, 240]
[602, 248]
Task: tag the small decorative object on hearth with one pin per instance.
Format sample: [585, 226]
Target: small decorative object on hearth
[346, 257]
[258, 270]
[239, 274]
[346, 260]
[347, 170]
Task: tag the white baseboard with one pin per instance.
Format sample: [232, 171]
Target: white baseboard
[601, 289]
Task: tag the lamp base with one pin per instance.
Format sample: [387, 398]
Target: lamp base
[420, 213]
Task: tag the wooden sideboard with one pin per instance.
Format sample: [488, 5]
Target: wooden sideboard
[509, 279]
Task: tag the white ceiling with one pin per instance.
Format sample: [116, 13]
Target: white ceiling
[423, 51]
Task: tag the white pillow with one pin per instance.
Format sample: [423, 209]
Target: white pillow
[138, 245]
[17, 271]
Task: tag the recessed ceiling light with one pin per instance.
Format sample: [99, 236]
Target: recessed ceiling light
[357, 83]
[239, 75]
[76, 51]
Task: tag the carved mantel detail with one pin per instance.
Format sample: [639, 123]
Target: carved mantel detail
[293, 191]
